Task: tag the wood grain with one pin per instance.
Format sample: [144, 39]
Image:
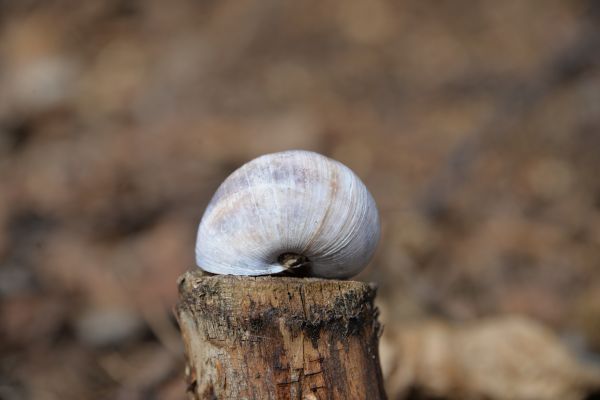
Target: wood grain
[279, 338]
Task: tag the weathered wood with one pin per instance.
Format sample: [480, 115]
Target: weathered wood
[279, 338]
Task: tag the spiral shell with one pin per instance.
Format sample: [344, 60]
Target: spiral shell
[294, 210]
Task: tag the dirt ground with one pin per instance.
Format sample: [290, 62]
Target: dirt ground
[476, 126]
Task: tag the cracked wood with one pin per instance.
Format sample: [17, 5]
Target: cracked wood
[279, 338]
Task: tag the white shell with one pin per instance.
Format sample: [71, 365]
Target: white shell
[296, 202]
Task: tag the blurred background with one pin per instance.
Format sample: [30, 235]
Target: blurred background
[476, 125]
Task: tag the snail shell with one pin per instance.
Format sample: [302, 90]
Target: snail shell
[294, 210]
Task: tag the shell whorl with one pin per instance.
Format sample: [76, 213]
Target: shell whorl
[289, 208]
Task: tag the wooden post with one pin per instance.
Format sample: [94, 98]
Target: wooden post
[279, 338]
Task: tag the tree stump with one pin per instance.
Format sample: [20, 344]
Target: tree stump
[279, 338]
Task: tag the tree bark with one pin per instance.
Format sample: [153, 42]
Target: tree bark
[279, 338]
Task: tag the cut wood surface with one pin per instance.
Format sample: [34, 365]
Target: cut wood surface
[279, 338]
